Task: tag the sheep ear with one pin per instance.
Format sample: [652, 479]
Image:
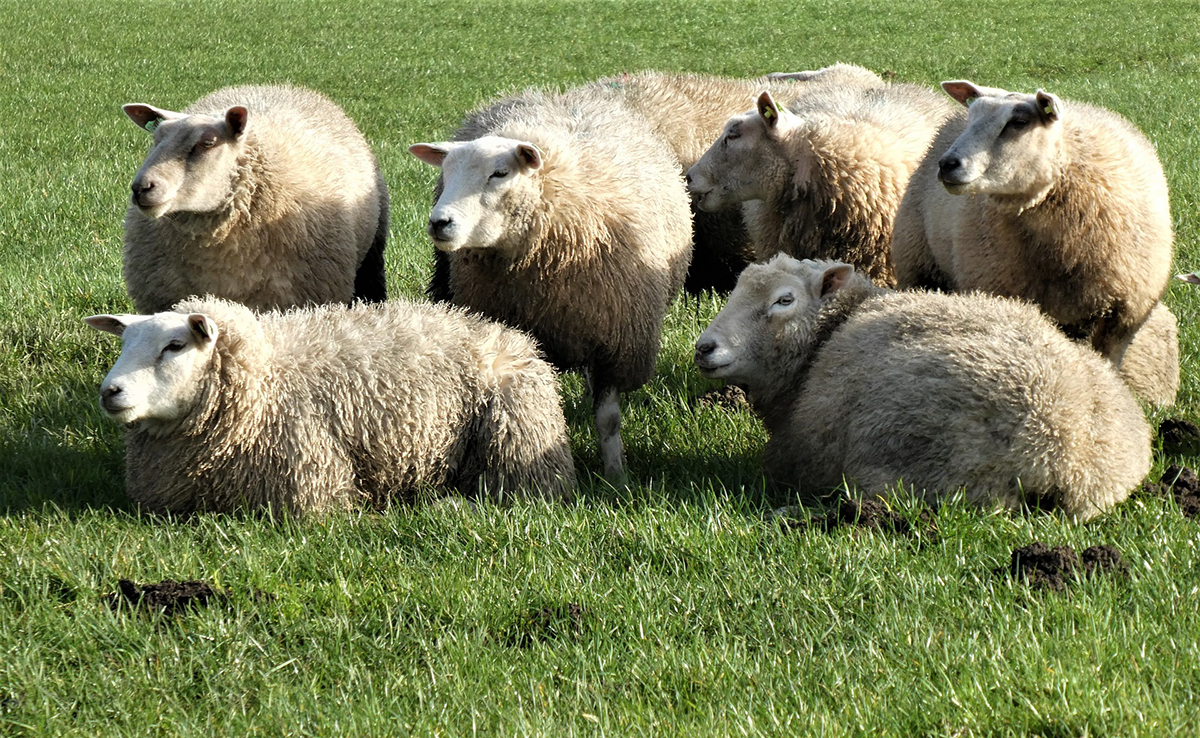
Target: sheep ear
[529, 157]
[768, 110]
[1047, 105]
[236, 118]
[431, 154]
[148, 116]
[835, 278]
[202, 327]
[1192, 278]
[108, 323]
[964, 91]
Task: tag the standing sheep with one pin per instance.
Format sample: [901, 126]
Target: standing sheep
[322, 407]
[1067, 208]
[941, 391]
[268, 196]
[825, 177]
[688, 111]
[568, 219]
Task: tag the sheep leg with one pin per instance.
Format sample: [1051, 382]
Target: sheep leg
[606, 401]
[370, 281]
[1114, 332]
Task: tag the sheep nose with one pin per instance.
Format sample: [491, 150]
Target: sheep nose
[704, 348]
[947, 166]
[438, 228]
[141, 188]
[108, 398]
[688, 179]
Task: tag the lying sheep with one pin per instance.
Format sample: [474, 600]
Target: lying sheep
[823, 177]
[688, 111]
[264, 195]
[568, 219]
[319, 408]
[942, 391]
[1068, 208]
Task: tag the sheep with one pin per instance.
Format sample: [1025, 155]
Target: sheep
[268, 196]
[870, 386]
[318, 408]
[1067, 208]
[566, 218]
[824, 176]
[1150, 366]
[688, 111]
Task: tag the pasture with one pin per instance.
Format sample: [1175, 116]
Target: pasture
[670, 608]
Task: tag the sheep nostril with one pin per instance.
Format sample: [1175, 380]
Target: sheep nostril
[705, 348]
[108, 392]
[945, 166]
[439, 227]
[688, 179]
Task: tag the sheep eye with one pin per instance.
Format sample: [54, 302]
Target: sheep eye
[1016, 124]
[174, 346]
[205, 143]
[785, 300]
[499, 174]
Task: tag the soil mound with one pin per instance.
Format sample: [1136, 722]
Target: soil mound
[728, 397]
[168, 596]
[865, 514]
[1179, 436]
[1181, 483]
[1045, 568]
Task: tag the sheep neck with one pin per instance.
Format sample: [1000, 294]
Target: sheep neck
[799, 352]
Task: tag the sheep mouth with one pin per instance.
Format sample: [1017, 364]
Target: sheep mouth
[153, 210]
[711, 369]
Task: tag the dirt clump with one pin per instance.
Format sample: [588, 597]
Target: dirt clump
[168, 596]
[1046, 568]
[541, 624]
[1179, 436]
[1181, 483]
[728, 397]
[866, 515]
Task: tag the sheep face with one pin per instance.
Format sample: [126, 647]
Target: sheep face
[743, 164]
[160, 374]
[769, 321]
[1011, 146]
[489, 185]
[193, 165]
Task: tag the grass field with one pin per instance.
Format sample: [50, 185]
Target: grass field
[672, 608]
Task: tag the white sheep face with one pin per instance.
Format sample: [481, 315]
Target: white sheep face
[738, 167]
[160, 374]
[193, 164]
[770, 312]
[488, 186]
[1011, 146]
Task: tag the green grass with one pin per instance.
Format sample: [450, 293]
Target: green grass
[673, 608]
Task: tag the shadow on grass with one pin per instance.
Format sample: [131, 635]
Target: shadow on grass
[56, 455]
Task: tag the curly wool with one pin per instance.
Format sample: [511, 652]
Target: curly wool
[322, 408]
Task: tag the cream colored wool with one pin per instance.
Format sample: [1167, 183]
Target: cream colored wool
[290, 211]
[824, 175]
[1069, 210]
[688, 111]
[1151, 363]
[940, 391]
[591, 246]
[326, 407]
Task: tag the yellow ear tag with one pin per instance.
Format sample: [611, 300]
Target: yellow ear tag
[1049, 109]
[768, 113]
